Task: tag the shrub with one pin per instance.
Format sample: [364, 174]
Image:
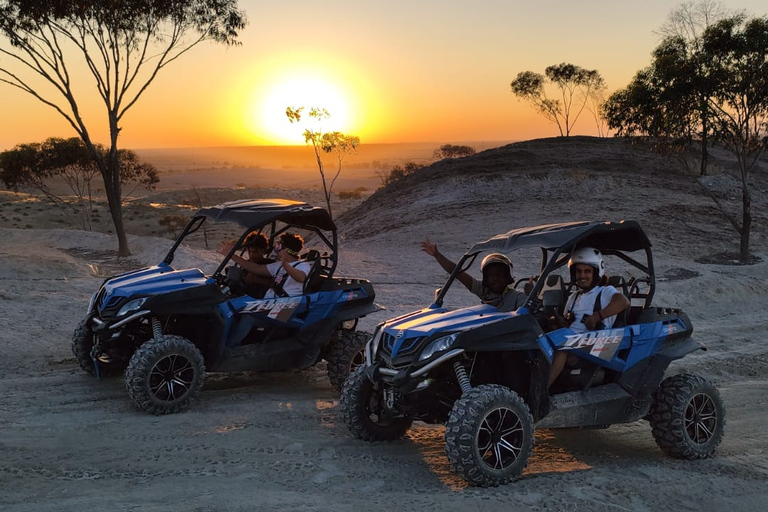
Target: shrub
[349, 194]
[398, 172]
[451, 151]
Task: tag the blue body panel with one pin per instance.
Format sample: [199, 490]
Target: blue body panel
[616, 349]
[150, 281]
[607, 347]
[426, 322]
[295, 312]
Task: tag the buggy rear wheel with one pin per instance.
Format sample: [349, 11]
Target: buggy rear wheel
[489, 435]
[362, 409]
[83, 342]
[345, 354]
[687, 417]
[165, 374]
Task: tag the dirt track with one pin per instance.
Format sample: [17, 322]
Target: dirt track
[274, 442]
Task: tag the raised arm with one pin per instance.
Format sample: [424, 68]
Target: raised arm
[253, 268]
[430, 248]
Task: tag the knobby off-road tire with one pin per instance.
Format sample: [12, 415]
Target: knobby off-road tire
[82, 343]
[344, 355]
[489, 435]
[687, 417]
[165, 375]
[360, 406]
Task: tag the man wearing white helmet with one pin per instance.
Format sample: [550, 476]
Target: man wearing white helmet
[496, 287]
[593, 305]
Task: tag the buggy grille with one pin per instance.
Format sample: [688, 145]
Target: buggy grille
[405, 353]
[107, 308]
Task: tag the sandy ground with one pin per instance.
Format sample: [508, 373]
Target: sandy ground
[274, 441]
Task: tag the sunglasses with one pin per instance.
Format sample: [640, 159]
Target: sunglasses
[279, 247]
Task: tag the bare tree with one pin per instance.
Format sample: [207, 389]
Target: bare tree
[197, 200]
[595, 99]
[690, 19]
[122, 44]
[329, 142]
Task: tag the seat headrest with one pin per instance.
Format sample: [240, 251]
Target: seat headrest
[554, 280]
[311, 255]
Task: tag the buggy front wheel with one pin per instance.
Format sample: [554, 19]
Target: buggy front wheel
[83, 348]
[687, 417]
[489, 435]
[345, 353]
[362, 409]
[165, 375]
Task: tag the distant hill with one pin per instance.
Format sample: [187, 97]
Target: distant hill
[461, 201]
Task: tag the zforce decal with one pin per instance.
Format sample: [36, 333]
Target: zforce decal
[278, 309]
[602, 344]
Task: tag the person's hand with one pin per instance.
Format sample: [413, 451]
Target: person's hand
[429, 247]
[284, 258]
[592, 320]
[225, 246]
[560, 320]
[496, 302]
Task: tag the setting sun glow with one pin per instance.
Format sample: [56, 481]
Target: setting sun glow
[296, 91]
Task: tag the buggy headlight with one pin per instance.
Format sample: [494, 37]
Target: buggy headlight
[438, 345]
[130, 306]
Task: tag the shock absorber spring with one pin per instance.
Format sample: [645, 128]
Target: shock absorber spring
[157, 328]
[462, 377]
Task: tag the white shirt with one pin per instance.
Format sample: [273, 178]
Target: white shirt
[581, 304]
[290, 285]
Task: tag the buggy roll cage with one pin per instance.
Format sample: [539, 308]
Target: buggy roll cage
[254, 215]
[557, 242]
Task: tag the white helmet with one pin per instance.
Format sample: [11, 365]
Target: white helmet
[588, 256]
[496, 258]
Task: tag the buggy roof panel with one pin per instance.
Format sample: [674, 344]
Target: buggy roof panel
[251, 213]
[605, 236]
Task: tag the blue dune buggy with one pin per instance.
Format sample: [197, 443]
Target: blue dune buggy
[483, 373]
[165, 327]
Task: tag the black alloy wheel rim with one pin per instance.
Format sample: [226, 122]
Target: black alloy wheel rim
[500, 438]
[700, 418]
[171, 377]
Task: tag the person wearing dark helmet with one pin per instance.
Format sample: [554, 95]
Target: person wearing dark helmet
[592, 306]
[497, 285]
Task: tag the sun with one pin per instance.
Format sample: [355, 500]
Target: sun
[295, 90]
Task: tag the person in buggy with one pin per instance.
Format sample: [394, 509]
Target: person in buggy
[242, 282]
[593, 306]
[287, 275]
[497, 285]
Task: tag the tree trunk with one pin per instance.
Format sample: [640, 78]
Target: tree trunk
[746, 224]
[116, 202]
[704, 130]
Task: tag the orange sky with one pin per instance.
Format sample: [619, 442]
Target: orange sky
[397, 71]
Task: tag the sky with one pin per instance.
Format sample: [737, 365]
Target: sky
[388, 72]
